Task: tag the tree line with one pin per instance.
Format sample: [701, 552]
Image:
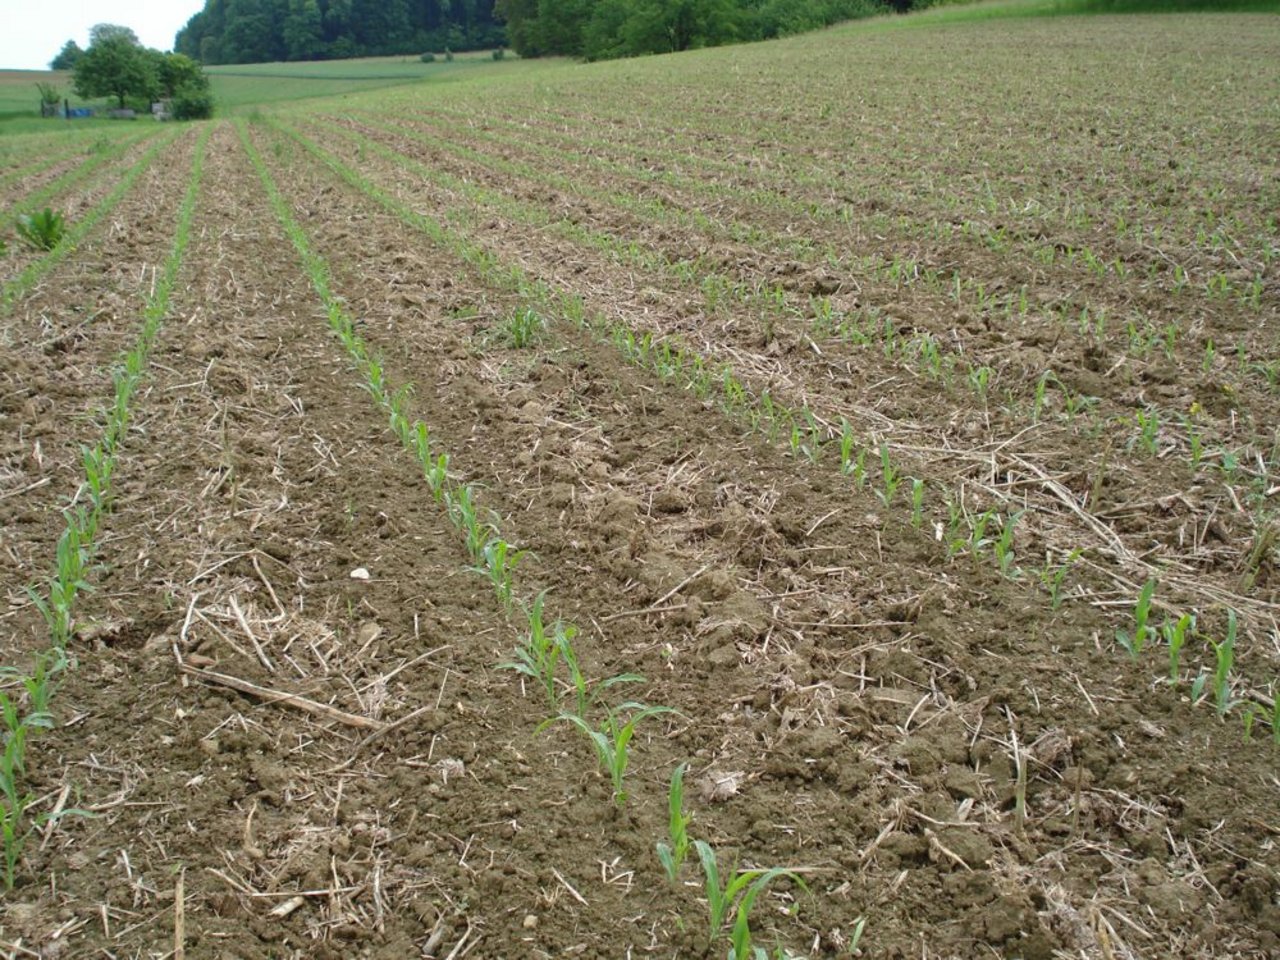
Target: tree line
[604, 29]
[262, 31]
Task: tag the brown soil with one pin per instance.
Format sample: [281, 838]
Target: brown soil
[851, 700]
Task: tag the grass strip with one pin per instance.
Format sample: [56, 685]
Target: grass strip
[76, 546]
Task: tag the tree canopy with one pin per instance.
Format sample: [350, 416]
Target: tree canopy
[67, 57]
[117, 65]
[600, 29]
[260, 31]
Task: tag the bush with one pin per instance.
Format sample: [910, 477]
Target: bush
[499, 54]
[428, 58]
[191, 103]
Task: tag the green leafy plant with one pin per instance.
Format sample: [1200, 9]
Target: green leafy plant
[1134, 642]
[673, 855]
[738, 893]
[1003, 546]
[541, 651]
[978, 533]
[889, 476]
[523, 328]
[1224, 656]
[847, 447]
[498, 563]
[1148, 431]
[1175, 635]
[917, 502]
[612, 738]
[42, 230]
[465, 515]
[1054, 578]
[582, 690]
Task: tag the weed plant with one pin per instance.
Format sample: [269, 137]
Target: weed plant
[43, 230]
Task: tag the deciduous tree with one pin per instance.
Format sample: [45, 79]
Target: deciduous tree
[116, 67]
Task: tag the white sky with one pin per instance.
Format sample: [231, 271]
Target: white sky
[33, 31]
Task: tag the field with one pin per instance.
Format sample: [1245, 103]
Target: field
[887, 421]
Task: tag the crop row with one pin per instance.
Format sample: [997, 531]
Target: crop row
[936, 358]
[547, 645]
[935, 227]
[807, 434]
[923, 268]
[56, 597]
[812, 429]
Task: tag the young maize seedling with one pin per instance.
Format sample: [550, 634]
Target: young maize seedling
[462, 510]
[98, 467]
[769, 414]
[978, 533]
[980, 381]
[1141, 614]
[917, 502]
[673, 855]
[583, 691]
[499, 563]
[1250, 716]
[436, 473]
[741, 888]
[1054, 578]
[43, 230]
[400, 425]
[1224, 655]
[542, 649]
[613, 738]
[1003, 547]
[812, 445]
[889, 476]
[375, 381]
[15, 827]
[1195, 442]
[1175, 635]
[1148, 431]
[14, 802]
[846, 447]
[1198, 685]
[1041, 387]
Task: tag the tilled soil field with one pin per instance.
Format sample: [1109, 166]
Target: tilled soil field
[913, 454]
